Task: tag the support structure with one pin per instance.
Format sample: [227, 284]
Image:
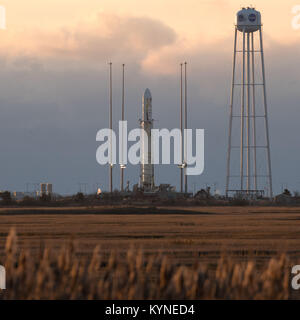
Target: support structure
[122, 165]
[181, 167]
[110, 126]
[185, 129]
[250, 180]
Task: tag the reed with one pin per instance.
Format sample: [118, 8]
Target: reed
[67, 276]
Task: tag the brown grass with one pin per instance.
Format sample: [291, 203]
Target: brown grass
[65, 276]
[247, 233]
[199, 244]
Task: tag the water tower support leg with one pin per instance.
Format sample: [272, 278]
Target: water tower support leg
[248, 115]
[231, 114]
[266, 115]
[253, 111]
[242, 116]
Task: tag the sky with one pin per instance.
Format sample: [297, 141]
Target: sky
[54, 84]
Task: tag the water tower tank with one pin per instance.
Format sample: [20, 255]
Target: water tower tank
[248, 19]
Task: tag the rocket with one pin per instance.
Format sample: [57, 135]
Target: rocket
[147, 169]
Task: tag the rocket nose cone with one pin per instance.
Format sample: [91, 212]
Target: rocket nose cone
[147, 94]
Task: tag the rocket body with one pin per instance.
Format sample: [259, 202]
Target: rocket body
[147, 168]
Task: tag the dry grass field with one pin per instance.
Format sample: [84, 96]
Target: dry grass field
[185, 236]
[243, 232]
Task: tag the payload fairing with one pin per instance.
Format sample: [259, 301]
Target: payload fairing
[147, 168]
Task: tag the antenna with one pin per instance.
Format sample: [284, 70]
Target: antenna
[181, 128]
[122, 166]
[185, 127]
[110, 126]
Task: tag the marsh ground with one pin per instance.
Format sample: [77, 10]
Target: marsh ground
[183, 234]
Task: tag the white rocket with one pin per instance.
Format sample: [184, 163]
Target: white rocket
[147, 169]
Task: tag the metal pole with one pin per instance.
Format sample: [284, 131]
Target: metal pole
[231, 114]
[253, 111]
[266, 113]
[123, 118]
[185, 127]
[248, 115]
[181, 128]
[242, 116]
[110, 126]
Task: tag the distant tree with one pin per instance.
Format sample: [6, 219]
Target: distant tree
[28, 201]
[6, 197]
[239, 202]
[79, 197]
[287, 192]
[45, 197]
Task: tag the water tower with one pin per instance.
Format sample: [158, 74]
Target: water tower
[248, 157]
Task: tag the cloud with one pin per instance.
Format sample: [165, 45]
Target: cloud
[165, 61]
[106, 38]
